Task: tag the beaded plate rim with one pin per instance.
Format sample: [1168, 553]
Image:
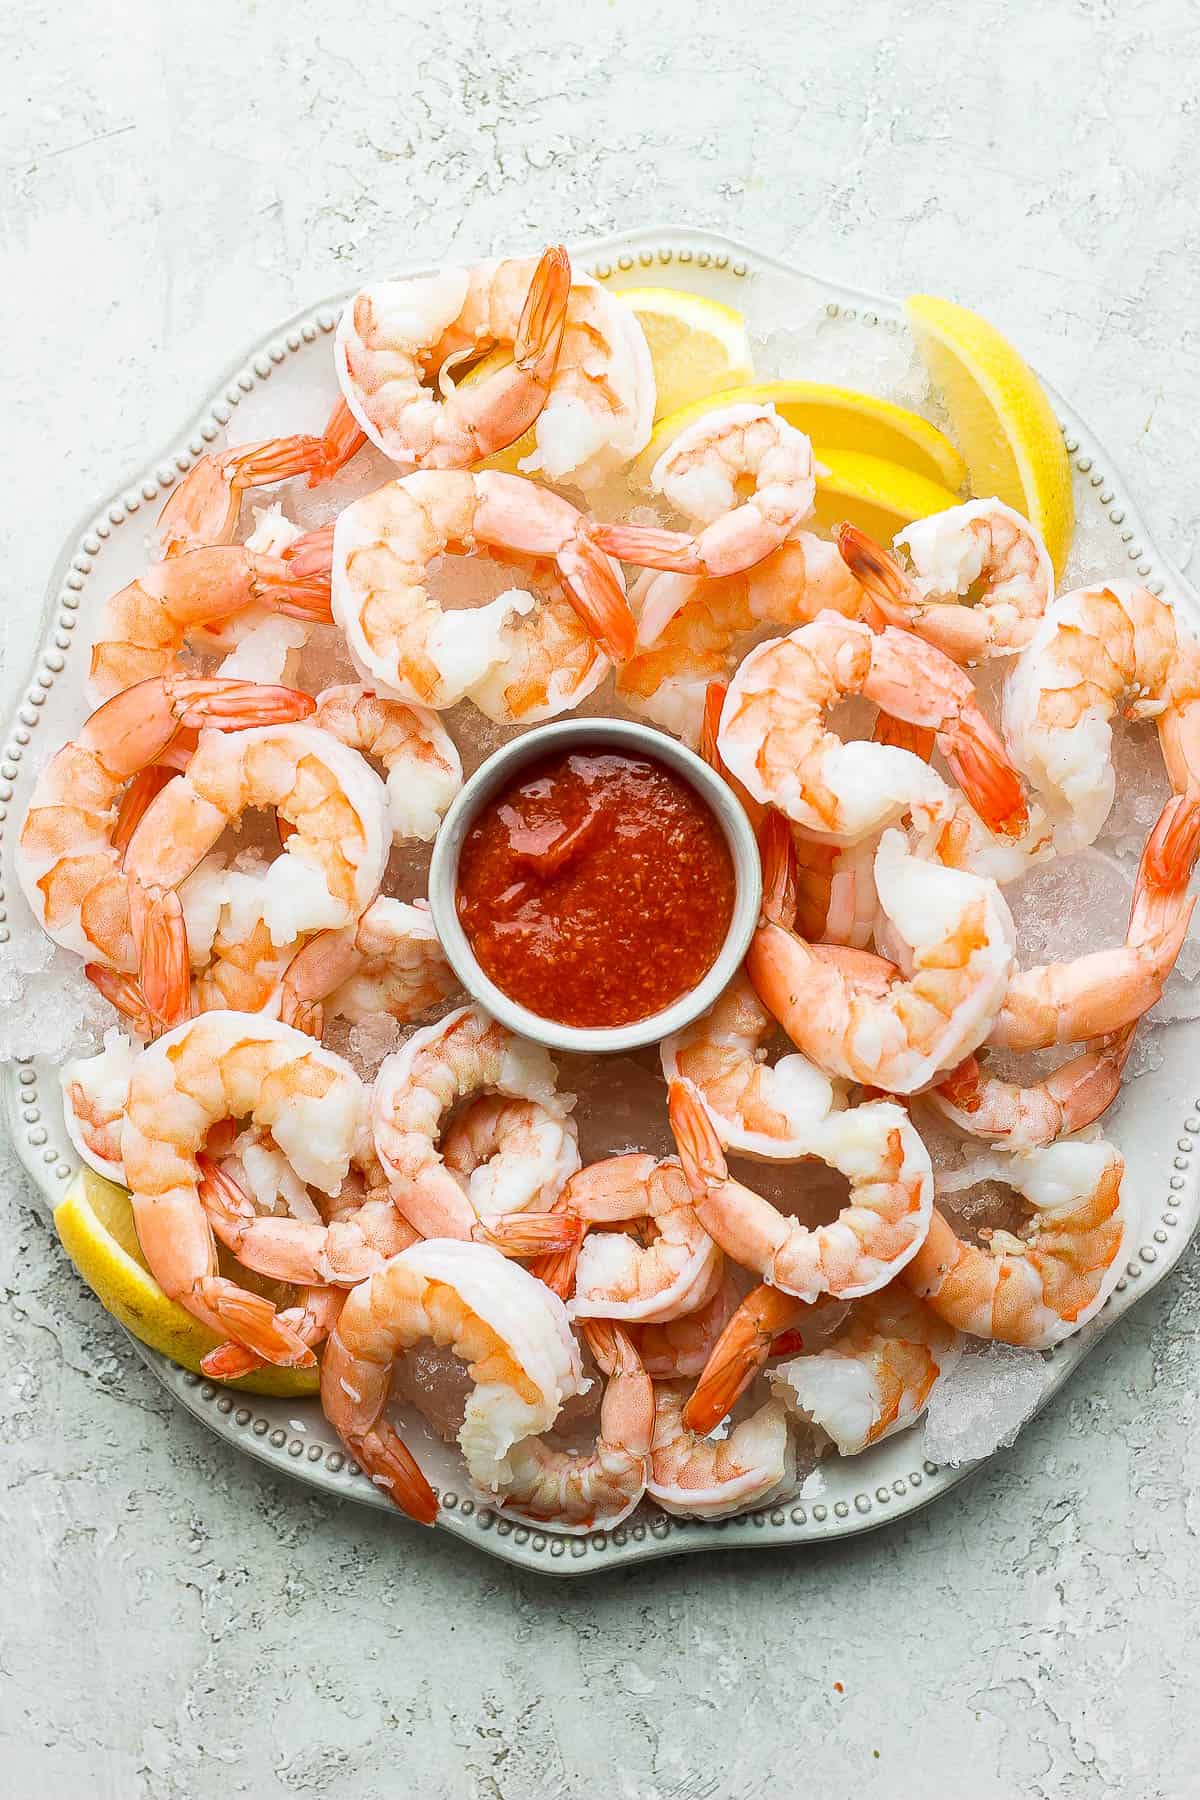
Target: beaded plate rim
[266, 1429]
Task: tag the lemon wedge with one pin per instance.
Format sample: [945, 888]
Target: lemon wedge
[1001, 416]
[838, 418]
[878, 496]
[95, 1223]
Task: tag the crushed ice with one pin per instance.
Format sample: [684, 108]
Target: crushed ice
[982, 1403]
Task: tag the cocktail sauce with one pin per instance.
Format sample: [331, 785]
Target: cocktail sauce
[597, 888]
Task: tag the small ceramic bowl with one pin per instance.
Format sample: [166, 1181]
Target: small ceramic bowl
[496, 773]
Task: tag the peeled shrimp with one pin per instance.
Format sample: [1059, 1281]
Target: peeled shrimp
[95, 1090]
[511, 1332]
[774, 738]
[464, 1054]
[689, 630]
[616, 1277]
[1105, 990]
[511, 1154]
[1098, 651]
[709, 1478]
[877, 1232]
[327, 874]
[69, 857]
[982, 548]
[389, 961]
[384, 544]
[421, 764]
[704, 473]
[204, 508]
[230, 1066]
[1039, 1286]
[887, 1029]
[550, 660]
[760, 1109]
[580, 1492]
[1017, 1117]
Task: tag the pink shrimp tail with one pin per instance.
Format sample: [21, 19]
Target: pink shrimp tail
[396, 1472]
[252, 1320]
[877, 573]
[779, 875]
[700, 1149]
[979, 765]
[124, 992]
[538, 342]
[595, 593]
[342, 439]
[532, 1234]
[311, 554]
[649, 547]
[164, 966]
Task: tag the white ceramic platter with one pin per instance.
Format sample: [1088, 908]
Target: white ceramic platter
[283, 384]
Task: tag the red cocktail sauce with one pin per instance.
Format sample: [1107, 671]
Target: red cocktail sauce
[596, 888]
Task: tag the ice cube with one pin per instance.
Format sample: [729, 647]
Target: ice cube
[371, 1040]
[982, 1403]
[1142, 787]
[1064, 908]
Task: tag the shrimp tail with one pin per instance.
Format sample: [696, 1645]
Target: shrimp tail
[918, 740]
[596, 595]
[230, 705]
[700, 1149]
[543, 318]
[134, 801]
[1162, 908]
[164, 963]
[396, 1472]
[985, 775]
[125, 993]
[342, 439]
[312, 553]
[710, 724]
[557, 1269]
[650, 547]
[253, 1321]
[739, 1353]
[878, 573]
[779, 874]
[531, 1234]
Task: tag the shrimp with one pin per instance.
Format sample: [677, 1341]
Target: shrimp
[389, 961]
[671, 1348]
[879, 1026]
[421, 764]
[774, 739]
[982, 1105]
[763, 1325]
[704, 473]
[877, 1232]
[230, 1066]
[204, 508]
[394, 333]
[328, 873]
[1105, 990]
[511, 1154]
[615, 1276]
[550, 661]
[142, 629]
[706, 1478]
[577, 1493]
[69, 859]
[982, 547]
[511, 1332]
[689, 630]
[312, 1318]
[95, 1090]
[761, 1110]
[1098, 651]
[1036, 1288]
[396, 631]
[465, 1053]
[876, 1374]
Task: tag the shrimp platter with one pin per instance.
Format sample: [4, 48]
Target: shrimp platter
[409, 1194]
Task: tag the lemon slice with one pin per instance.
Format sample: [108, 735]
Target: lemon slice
[95, 1222]
[878, 496]
[1001, 416]
[838, 418]
[696, 345]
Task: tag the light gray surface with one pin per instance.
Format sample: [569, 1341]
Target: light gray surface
[175, 1622]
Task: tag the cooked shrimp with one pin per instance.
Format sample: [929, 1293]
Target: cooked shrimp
[671, 1348]
[1105, 990]
[615, 1275]
[229, 1066]
[580, 1492]
[95, 1090]
[982, 548]
[879, 1026]
[511, 1332]
[704, 473]
[69, 865]
[690, 631]
[142, 629]
[550, 660]
[394, 334]
[876, 1374]
[327, 874]
[204, 508]
[708, 1478]
[421, 765]
[1098, 651]
[464, 1054]
[511, 1154]
[389, 961]
[312, 1318]
[384, 544]
[877, 1232]
[763, 1325]
[982, 1105]
[1040, 1286]
[774, 738]
[760, 1109]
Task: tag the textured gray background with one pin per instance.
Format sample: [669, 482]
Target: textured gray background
[174, 1622]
